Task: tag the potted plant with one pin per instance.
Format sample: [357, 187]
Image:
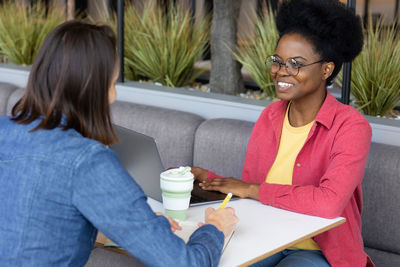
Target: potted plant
[163, 45]
[255, 47]
[375, 80]
[23, 29]
[208, 105]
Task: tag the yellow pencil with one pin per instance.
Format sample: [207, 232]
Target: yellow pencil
[226, 200]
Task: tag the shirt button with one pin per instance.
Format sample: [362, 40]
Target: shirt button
[298, 165]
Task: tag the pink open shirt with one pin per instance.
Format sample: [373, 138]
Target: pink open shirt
[327, 174]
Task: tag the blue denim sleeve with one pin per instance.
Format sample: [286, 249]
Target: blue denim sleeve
[110, 199]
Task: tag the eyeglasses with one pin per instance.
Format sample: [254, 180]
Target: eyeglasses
[291, 64]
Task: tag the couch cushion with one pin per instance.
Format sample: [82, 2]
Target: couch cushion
[105, 258]
[220, 146]
[173, 130]
[381, 187]
[6, 90]
[13, 99]
[383, 258]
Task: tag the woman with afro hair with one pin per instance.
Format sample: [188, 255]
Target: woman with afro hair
[307, 152]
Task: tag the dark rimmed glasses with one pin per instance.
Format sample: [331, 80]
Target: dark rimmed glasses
[291, 64]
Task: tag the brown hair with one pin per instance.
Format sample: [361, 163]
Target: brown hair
[69, 82]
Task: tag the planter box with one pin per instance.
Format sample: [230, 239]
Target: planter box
[385, 131]
[14, 74]
[207, 105]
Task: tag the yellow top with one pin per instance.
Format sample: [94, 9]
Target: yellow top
[281, 172]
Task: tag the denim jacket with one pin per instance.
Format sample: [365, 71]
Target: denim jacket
[58, 188]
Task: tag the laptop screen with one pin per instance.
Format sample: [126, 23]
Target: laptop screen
[139, 155]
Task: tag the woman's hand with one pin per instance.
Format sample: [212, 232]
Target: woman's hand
[199, 173]
[225, 219]
[174, 224]
[232, 185]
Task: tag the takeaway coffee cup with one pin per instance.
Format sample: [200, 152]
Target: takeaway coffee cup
[176, 186]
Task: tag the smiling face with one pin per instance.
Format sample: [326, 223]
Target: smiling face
[310, 82]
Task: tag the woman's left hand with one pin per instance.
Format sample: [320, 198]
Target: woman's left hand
[232, 185]
[174, 224]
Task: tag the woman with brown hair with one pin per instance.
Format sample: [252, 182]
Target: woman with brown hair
[60, 182]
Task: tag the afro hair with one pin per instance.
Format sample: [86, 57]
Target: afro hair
[334, 30]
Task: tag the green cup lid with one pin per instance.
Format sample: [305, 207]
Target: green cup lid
[178, 173]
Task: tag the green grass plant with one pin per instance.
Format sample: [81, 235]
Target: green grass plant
[375, 79]
[163, 46]
[23, 29]
[255, 47]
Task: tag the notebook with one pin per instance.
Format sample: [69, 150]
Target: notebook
[139, 155]
[188, 227]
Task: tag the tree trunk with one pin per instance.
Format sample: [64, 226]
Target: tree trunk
[70, 9]
[57, 4]
[225, 71]
[98, 10]
[396, 12]
[23, 2]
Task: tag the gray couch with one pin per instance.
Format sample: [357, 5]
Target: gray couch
[220, 145]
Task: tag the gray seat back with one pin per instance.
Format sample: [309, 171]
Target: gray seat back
[13, 99]
[172, 130]
[221, 144]
[6, 90]
[381, 196]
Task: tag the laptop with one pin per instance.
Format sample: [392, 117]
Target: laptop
[139, 155]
